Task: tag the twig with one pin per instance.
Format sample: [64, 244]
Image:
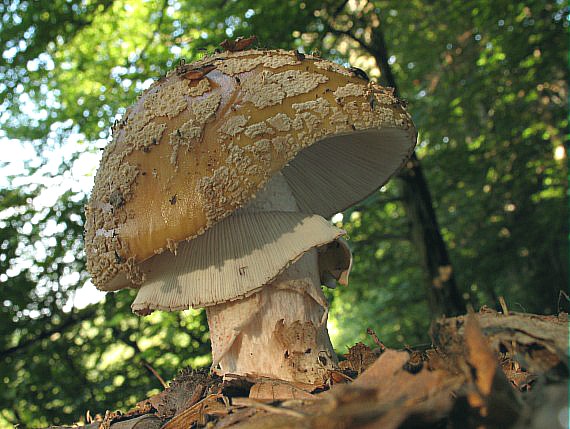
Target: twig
[379, 343]
[153, 371]
[504, 306]
[560, 295]
[339, 9]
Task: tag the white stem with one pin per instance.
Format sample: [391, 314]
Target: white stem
[281, 331]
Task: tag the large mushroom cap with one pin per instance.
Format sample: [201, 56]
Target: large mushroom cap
[201, 142]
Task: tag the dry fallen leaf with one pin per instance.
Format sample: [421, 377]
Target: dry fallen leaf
[479, 356]
[491, 396]
[386, 394]
[358, 358]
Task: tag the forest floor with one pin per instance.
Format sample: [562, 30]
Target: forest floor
[484, 370]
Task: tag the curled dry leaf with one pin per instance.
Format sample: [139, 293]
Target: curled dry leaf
[479, 357]
[386, 395]
[489, 395]
[392, 382]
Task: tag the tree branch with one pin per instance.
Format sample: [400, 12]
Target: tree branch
[339, 8]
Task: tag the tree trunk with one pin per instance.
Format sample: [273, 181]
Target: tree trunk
[443, 293]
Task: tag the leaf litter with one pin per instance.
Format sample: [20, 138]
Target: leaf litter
[484, 370]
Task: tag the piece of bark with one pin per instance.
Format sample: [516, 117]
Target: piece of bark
[276, 390]
[537, 343]
[185, 390]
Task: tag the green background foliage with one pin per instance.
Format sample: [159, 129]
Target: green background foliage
[485, 81]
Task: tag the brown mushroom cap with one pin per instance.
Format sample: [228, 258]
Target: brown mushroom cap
[200, 143]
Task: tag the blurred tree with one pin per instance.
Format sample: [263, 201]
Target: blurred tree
[486, 83]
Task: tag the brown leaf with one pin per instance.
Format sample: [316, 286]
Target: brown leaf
[386, 395]
[480, 356]
[384, 368]
[392, 382]
[358, 358]
[492, 398]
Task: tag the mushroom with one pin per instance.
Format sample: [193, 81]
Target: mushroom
[215, 192]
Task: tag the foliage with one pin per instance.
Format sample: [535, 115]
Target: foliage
[486, 83]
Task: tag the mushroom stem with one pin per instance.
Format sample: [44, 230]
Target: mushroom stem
[279, 332]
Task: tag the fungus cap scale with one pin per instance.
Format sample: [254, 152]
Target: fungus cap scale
[211, 173]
